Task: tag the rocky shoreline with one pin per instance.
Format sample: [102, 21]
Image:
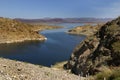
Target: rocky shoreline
[23, 40]
[86, 30]
[13, 31]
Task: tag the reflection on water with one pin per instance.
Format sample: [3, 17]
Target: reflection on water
[58, 47]
[6, 49]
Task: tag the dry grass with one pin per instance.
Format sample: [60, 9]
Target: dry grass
[108, 74]
[59, 65]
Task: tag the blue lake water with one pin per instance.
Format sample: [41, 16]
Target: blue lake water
[58, 47]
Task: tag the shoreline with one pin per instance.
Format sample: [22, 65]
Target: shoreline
[13, 31]
[59, 65]
[37, 37]
[24, 40]
[73, 33]
[85, 30]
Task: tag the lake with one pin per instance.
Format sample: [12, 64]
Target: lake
[58, 47]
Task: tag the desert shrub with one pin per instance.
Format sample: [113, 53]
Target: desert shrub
[112, 29]
[117, 78]
[116, 46]
[115, 75]
[116, 54]
[101, 76]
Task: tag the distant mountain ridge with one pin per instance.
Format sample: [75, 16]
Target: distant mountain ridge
[65, 20]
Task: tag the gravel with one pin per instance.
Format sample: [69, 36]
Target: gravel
[16, 70]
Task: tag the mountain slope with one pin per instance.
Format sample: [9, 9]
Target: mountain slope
[101, 49]
[15, 31]
[15, 70]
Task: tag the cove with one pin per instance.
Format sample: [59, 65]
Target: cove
[58, 47]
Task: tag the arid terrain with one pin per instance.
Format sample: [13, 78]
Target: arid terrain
[15, 70]
[16, 31]
[87, 30]
[99, 54]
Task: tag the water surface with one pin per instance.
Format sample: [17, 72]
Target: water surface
[58, 47]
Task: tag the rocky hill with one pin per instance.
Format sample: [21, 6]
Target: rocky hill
[15, 31]
[97, 51]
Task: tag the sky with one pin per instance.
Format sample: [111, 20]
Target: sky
[34, 9]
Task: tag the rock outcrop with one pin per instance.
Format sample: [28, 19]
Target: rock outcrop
[101, 49]
[15, 31]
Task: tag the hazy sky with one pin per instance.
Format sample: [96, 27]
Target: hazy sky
[59, 8]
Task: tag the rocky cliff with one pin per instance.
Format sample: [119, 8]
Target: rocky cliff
[15, 31]
[100, 49]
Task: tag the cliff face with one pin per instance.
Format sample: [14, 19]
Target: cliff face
[101, 49]
[15, 31]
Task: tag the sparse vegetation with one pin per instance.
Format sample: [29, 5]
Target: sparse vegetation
[113, 75]
[15, 70]
[104, 50]
[85, 30]
[116, 46]
[15, 31]
[112, 29]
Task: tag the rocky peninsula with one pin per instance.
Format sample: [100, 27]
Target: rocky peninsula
[16, 31]
[87, 30]
[98, 54]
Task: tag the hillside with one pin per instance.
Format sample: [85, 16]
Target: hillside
[87, 30]
[15, 31]
[15, 70]
[98, 53]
